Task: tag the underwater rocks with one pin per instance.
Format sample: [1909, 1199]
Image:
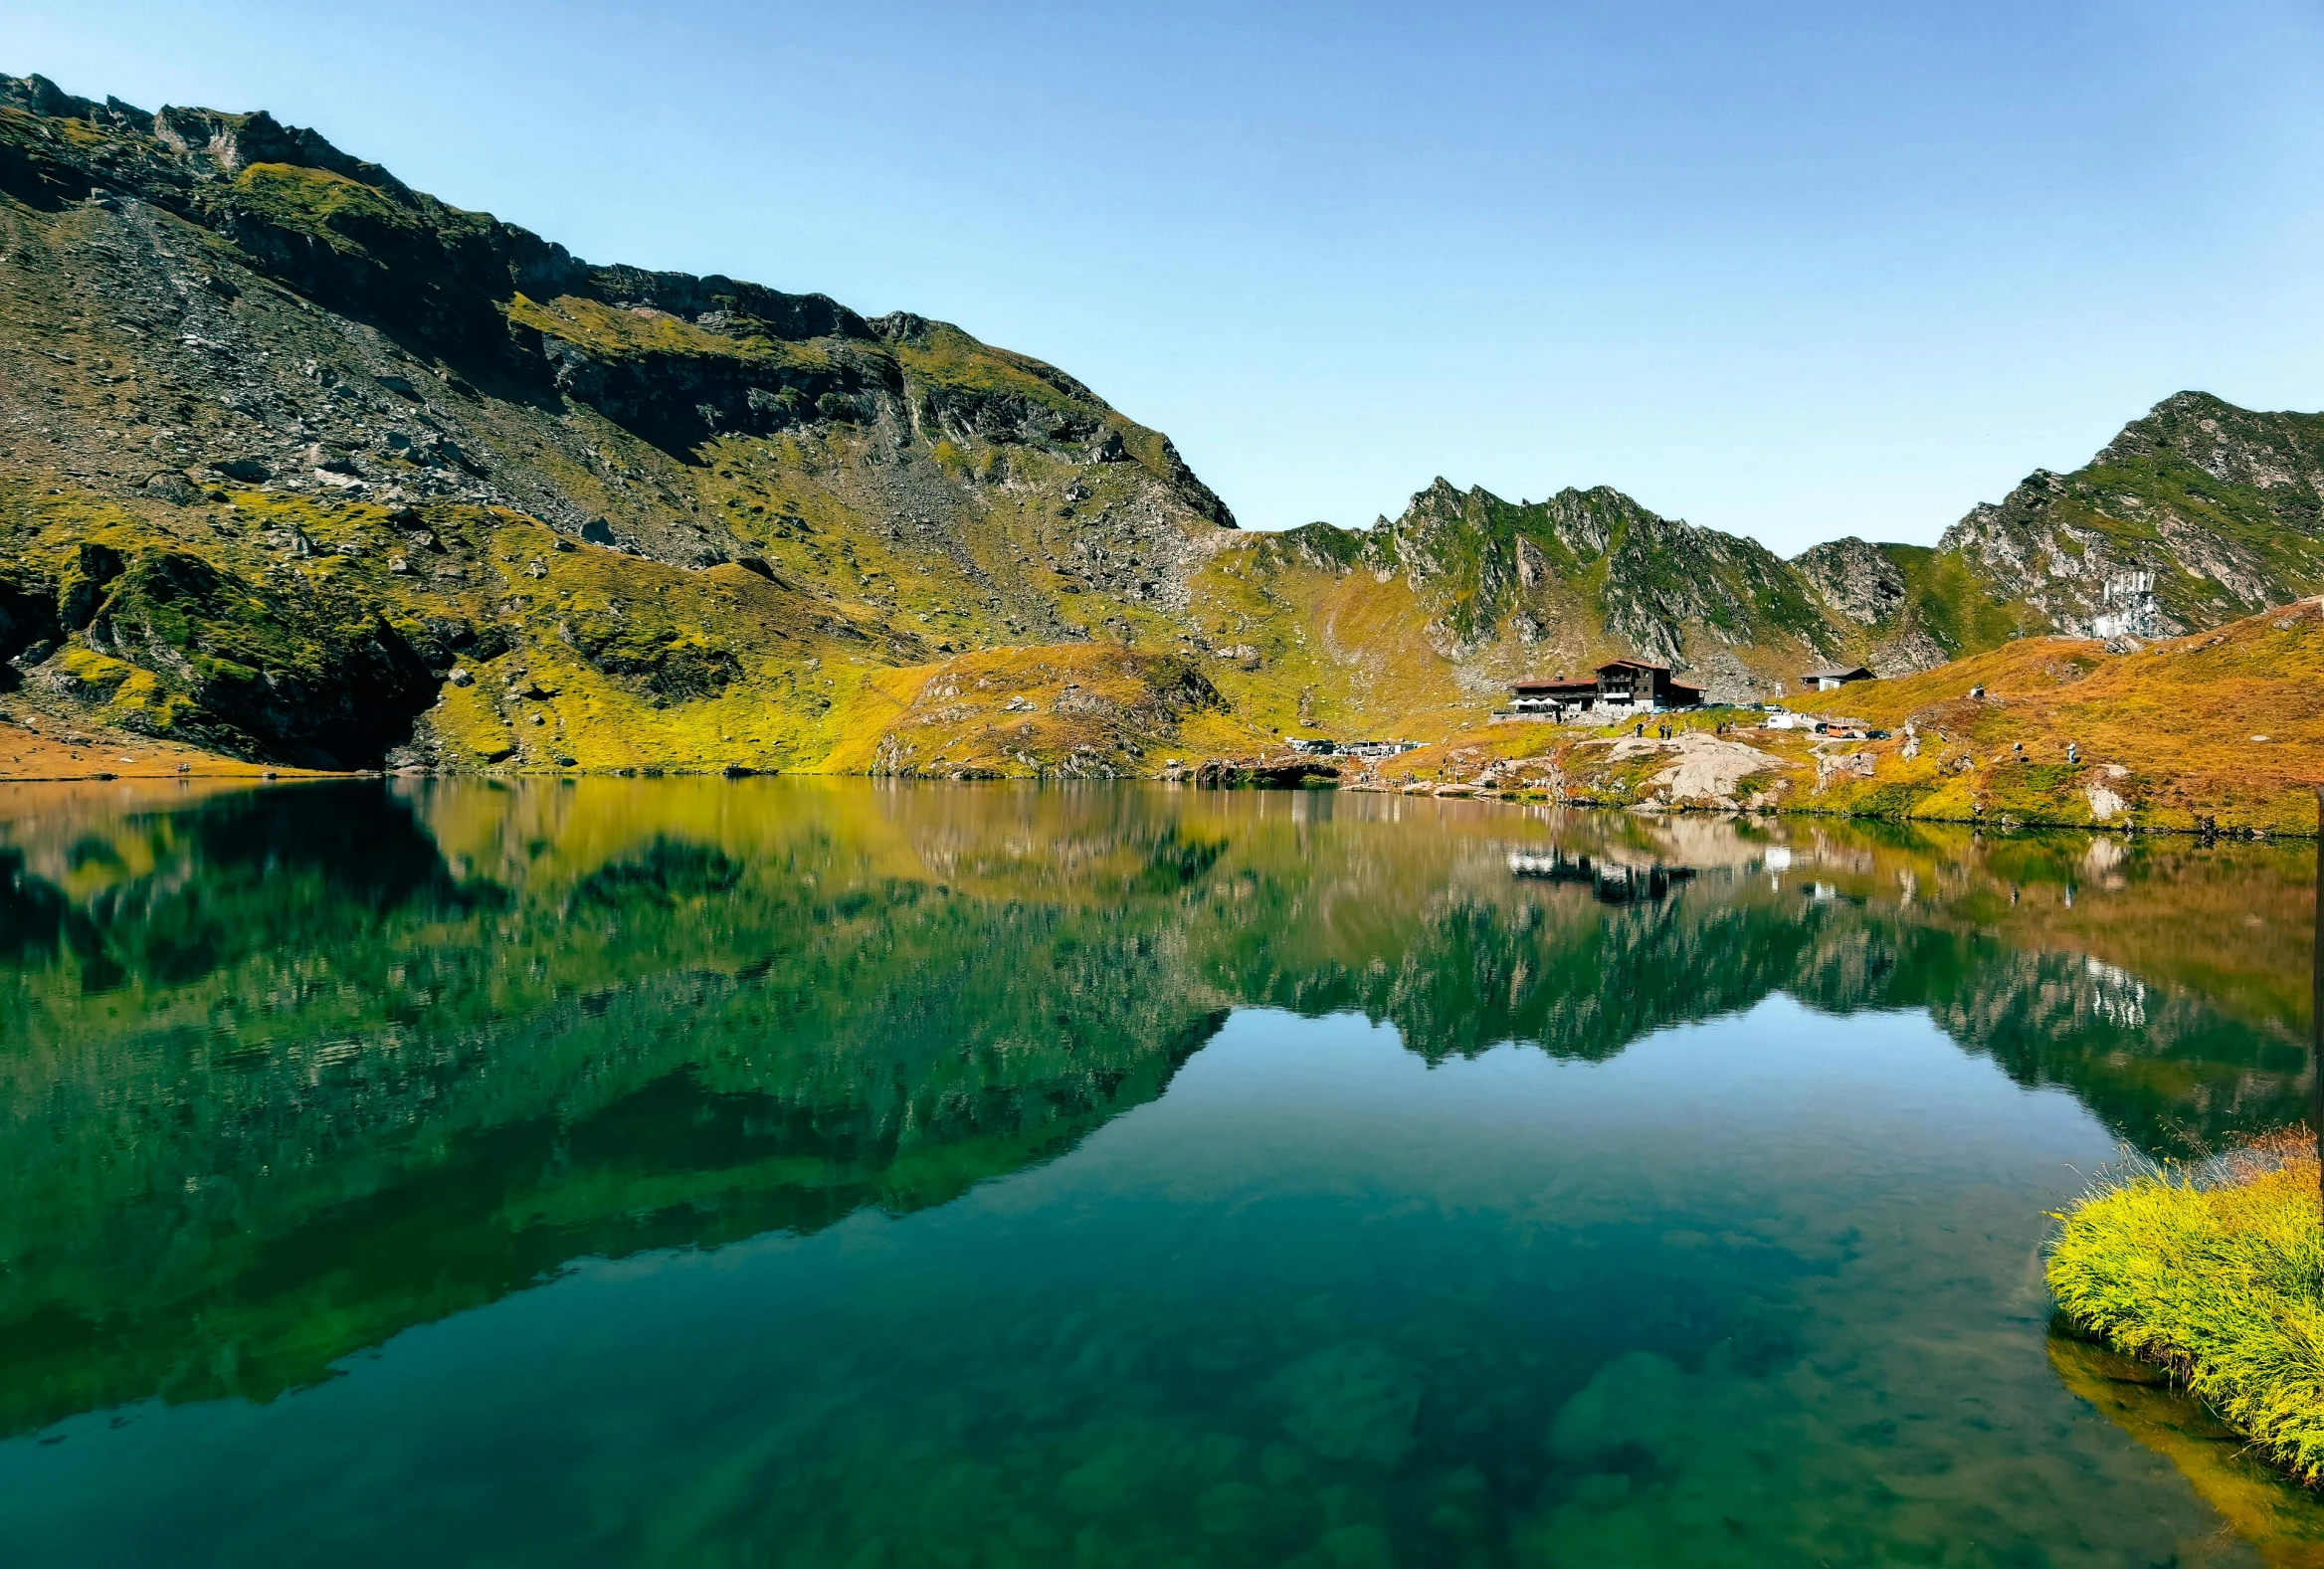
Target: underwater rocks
[1355, 1401]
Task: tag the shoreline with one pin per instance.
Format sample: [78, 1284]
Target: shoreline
[1999, 823]
[234, 770]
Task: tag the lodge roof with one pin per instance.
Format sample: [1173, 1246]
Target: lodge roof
[1562, 684]
[1837, 673]
[1643, 664]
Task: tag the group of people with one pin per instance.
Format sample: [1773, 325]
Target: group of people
[1665, 731]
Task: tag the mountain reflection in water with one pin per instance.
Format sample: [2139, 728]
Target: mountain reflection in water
[288, 1072]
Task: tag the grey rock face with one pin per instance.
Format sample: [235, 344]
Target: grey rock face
[1856, 579]
[1907, 651]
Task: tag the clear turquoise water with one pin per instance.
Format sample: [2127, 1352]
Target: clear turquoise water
[694, 1173]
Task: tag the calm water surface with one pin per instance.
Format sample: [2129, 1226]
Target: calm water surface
[759, 1172]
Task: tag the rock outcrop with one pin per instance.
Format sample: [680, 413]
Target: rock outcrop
[1856, 579]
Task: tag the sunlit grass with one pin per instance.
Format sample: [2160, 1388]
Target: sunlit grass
[2217, 1272]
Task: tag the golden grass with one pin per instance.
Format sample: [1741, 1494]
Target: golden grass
[45, 753]
[2218, 1273]
[2227, 724]
[2224, 728]
[1094, 709]
[629, 331]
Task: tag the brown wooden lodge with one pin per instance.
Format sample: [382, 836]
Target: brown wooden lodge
[1621, 688]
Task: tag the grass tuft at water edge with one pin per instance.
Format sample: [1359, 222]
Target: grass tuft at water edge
[2214, 1270]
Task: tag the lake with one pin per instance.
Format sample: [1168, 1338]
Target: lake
[716, 1172]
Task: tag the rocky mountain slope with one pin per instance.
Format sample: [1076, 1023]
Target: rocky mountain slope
[286, 444]
[2198, 513]
[1492, 591]
[301, 464]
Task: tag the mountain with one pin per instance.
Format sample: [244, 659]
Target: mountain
[1501, 589]
[301, 464]
[2197, 515]
[289, 441]
[2220, 508]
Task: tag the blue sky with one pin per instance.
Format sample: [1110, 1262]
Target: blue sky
[1793, 271]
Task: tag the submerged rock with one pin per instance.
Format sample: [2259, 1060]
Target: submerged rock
[1355, 1401]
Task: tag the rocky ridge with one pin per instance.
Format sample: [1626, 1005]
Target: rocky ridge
[2197, 513]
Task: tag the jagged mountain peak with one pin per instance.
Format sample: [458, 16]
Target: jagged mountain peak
[37, 95]
[2265, 450]
[1858, 579]
[211, 142]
